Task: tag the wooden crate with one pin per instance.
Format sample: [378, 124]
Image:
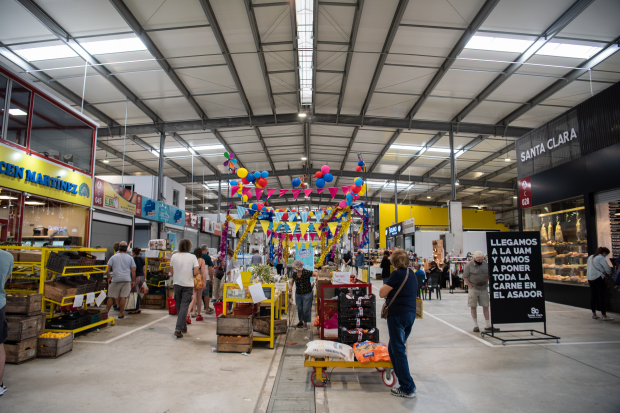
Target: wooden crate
[157, 302]
[234, 344]
[22, 327]
[28, 304]
[21, 352]
[263, 324]
[54, 347]
[56, 291]
[234, 325]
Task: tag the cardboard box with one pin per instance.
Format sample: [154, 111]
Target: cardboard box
[30, 256]
[15, 254]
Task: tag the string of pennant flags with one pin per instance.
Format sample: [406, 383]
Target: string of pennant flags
[296, 192]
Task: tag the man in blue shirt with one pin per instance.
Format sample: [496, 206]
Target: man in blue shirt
[6, 267]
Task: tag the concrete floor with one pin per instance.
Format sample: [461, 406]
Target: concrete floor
[138, 366]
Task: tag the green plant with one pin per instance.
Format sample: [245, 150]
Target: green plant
[262, 273]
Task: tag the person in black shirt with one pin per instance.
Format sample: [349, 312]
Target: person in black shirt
[303, 293]
[401, 315]
[140, 275]
[434, 278]
[385, 266]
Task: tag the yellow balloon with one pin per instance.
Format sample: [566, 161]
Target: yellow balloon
[364, 189]
[242, 173]
[245, 198]
[311, 214]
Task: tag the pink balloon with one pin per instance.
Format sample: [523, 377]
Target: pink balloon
[249, 194]
[325, 169]
[342, 204]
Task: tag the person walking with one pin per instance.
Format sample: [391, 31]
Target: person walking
[199, 283]
[6, 268]
[400, 292]
[359, 262]
[303, 292]
[122, 280]
[476, 276]
[140, 275]
[206, 296]
[420, 276]
[257, 258]
[596, 270]
[183, 268]
[385, 266]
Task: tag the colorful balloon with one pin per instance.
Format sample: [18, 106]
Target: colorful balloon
[264, 174]
[296, 182]
[245, 198]
[360, 163]
[245, 180]
[318, 174]
[256, 174]
[325, 169]
[233, 160]
[250, 178]
[226, 155]
[260, 206]
[320, 183]
[358, 168]
[342, 204]
[254, 207]
[328, 177]
[359, 182]
[233, 183]
[264, 209]
[349, 196]
[356, 189]
[262, 182]
[285, 216]
[242, 173]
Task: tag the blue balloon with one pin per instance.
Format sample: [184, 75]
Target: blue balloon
[359, 182]
[233, 183]
[320, 183]
[328, 177]
[250, 178]
[264, 209]
[360, 163]
[264, 174]
[254, 207]
[256, 174]
[233, 160]
[349, 196]
[349, 203]
[296, 182]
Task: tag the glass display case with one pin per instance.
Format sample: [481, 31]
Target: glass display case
[562, 231]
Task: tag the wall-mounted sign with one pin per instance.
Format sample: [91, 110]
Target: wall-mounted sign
[217, 228]
[394, 230]
[192, 220]
[525, 192]
[115, 197]
[408, 226]
[37, 176]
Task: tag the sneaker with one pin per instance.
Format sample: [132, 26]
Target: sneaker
[305, 326]
[400, 393]
[605, 318]
[476, 330]
[300, 324]
[595, 317]
[491, 329]
[3, 389]
[199, 318]
[178, 334]
[184, 331]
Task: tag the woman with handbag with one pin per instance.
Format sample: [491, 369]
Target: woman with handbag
[400, 291]
[199, 283]
[597, 269]
[140, 275]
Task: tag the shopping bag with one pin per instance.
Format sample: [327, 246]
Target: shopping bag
[132, 302]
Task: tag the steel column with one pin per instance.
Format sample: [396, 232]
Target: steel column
[452, 166]
[160, 176]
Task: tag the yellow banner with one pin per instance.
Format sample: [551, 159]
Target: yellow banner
[265, 225]
[116, 197]
[292, 226]
[332, 227]
[40, 177]
[303, 228]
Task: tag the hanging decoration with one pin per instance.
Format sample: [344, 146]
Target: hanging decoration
[250, 227]
[224, 242]
[230, 162]
[285, 252]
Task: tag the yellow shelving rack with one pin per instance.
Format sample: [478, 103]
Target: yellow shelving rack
[163, 266]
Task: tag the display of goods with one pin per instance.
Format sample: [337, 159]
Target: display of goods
[357, 335]
[230, 343]
[82, 285]
[234, 325]
[52, 345]
[153, 301]
[549, 254]
[263, 325]
[349, 312]
[354, 322]
[57, 262]
[22, 327]
[67, 322]
[21, 286]
[243, 309]
[367, 351]
[350, 300]
[332, 322]
[29, 304]
[101, 286]
[56, 291]
[94, 315]
[354, 291]
[159, 244]
[21, 352]
[324, 348]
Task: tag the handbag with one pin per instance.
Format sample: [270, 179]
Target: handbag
[386, 306]
[219, 272]
[132, 302]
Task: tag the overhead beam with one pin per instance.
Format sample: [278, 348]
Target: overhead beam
[259, 135]
[347, 65]
[126, 158]
[108, 167]
[486, 160]
[293, 12]
[348, 151]
[398, 15]
[203, 161]
[315, 38]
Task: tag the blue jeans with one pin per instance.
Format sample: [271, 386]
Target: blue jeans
[304, 306]
[399, 328]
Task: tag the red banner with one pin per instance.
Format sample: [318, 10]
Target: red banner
[525, 192]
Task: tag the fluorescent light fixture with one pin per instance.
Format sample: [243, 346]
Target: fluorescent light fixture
[457, 182]
[407, 147]
[507, 159]
[34, 203]
[514, 197]
[185, 197]
[302, 115]
[7, 197]
[576, 51]
[207, 147]
[173, 150]
[498, 44]
[305, 12]
[206, 207]
[114, 46]
[428, 197]
[304, 159]
[46, 53]
[105, 161]
[17, 112]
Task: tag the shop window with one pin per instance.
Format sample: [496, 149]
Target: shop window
[9, 215]
[175, 198]
[562, 228]
[50, 221]
[19, 105]
[59, 135]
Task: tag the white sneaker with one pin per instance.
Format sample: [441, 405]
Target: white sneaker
[3, 389]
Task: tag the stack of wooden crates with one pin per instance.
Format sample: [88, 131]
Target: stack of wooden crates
[234, 333]
[26, 323]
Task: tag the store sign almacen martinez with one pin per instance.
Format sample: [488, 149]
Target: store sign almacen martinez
[37, 176]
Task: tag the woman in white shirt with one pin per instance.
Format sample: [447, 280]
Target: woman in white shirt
[183, 267]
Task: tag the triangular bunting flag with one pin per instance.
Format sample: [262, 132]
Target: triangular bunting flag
[332, 227]
[318, 191]
[259, 192]
[361, 229]
[304, 216]
[312, 234]
[320, 217]
[282, 192]
[237, 228]
[305, 244]
[306, 237]
[308, 191]
[268, 233]
[270, 192]
[278, 216]
[291, 216]
[233, 190]
[241, 212]
[295, 193]
[345, 189]
[251, 224]
[298, 236]
[265, 225]
[303, 227]
[333, 191]
[290, 237]
[291, 226]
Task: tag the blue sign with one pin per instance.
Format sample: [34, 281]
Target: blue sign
[305, 255]
[160, 212]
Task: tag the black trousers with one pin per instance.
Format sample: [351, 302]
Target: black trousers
[279, 268]
[597, 294]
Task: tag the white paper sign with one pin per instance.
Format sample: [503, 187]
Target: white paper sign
[257, 292]
[151, 253]
[90, 298]
[341, 278]
[281, 286]
[239, 281]
[77, 301]
[100, 299]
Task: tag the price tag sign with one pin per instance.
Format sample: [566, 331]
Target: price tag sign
[341, 278]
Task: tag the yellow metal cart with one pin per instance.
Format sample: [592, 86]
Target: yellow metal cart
[319, 378]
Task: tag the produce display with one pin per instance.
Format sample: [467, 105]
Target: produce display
[54, 335]
[368, 351]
